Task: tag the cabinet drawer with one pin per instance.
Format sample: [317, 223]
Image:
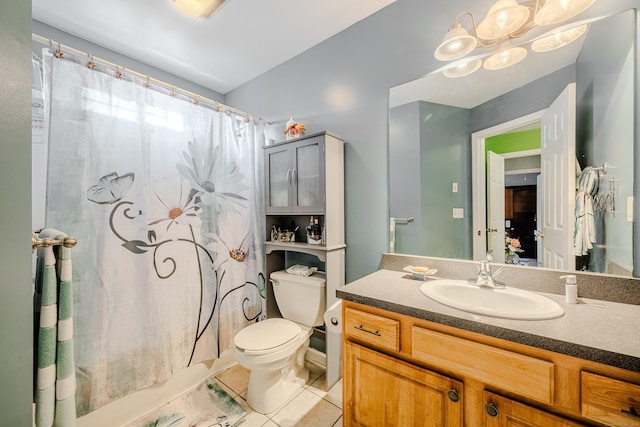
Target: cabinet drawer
[379, 331]
[610, 401]
[524, 375]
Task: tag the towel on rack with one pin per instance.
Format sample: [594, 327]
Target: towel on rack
[584, 232]
[56, 381]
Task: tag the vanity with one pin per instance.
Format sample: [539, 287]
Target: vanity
[409, 360]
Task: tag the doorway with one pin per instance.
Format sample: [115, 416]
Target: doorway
[479, 193]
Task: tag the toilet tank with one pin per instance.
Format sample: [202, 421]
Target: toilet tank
[301, 299]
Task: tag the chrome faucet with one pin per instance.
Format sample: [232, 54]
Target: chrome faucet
[485, 278]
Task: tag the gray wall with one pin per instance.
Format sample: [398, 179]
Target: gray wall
[342, 85]
[429, 150]
[15, 227]
[605, 129]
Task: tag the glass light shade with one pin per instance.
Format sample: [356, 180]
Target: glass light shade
[558, 40]
[503, 18]
[199, 8]
[456, 44]
[463, 69]
[556, 11]
[505, 58]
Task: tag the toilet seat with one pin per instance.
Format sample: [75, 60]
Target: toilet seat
[267, 336]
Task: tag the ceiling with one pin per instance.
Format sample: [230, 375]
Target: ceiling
[242, 40]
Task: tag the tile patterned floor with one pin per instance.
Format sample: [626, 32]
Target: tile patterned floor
[313, 406]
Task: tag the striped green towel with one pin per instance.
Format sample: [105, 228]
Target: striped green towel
[56, 381]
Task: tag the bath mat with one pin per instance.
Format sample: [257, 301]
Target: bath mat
[206, 406]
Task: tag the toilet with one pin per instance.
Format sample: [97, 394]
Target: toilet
[273, 350]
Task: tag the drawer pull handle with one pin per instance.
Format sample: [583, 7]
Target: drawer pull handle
[631, 412]
[453, 395]
[369, 331]
[491, 410]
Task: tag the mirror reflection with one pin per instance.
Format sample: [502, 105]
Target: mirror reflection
[533, 162]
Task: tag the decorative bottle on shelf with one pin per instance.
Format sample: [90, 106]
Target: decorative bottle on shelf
[314, 235]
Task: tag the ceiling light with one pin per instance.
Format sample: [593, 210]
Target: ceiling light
[557, 11]
[505, 58]
[456, 44]
[559, 39]
[199, 8]
[503, 18]
[463, 69]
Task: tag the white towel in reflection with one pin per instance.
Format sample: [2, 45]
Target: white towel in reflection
[584, 233]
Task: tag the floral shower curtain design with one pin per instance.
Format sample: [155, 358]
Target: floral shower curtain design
[165, 199]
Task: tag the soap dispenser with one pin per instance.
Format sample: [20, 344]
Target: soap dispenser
[571, 289]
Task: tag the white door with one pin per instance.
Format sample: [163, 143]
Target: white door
[495, 214]
[538, 232]
[559, 180]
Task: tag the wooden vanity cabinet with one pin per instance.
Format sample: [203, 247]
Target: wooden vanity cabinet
[400, 370]
[384, 391]
[500, 411]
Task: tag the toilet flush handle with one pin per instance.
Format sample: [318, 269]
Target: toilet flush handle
[274, 282]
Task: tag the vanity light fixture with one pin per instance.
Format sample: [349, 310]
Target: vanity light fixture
[558, 40]
[503, 18]
[508, 19]
[200, 8]
[463, 69]
[457, 42]
[505, 58]
[557, 11]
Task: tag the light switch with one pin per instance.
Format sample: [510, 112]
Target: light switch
[458, 212]
[454, 188]
[630, 209]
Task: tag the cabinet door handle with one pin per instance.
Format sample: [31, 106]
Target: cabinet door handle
[631, 412]
[453, 395]
[369, 331]
[491, 410]
[294, 178]
[288, 176]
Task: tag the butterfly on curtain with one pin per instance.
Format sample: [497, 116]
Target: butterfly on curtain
[110, 188]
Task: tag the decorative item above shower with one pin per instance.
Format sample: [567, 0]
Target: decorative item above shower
[294, 129]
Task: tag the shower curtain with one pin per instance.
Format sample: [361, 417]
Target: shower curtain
[165, 199]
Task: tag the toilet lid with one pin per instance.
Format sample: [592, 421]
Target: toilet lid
[269, 333]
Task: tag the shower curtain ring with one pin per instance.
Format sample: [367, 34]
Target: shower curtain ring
[58, 53]
[91, 65]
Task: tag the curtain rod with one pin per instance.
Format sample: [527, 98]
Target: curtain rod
[67, 242]
[60, 49]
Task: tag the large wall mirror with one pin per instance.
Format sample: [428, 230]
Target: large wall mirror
[518, 160]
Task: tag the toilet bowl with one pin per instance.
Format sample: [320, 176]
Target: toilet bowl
[276, 372]
[274, 349]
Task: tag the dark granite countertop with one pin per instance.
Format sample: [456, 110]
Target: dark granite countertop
[600, 331]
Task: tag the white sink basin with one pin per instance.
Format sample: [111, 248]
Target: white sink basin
[509, 303]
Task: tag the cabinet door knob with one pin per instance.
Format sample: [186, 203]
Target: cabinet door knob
[491, 410]
[453, 395]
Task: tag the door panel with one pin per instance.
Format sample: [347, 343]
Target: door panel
[495, 196]
[278, 178]
[559, 180]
